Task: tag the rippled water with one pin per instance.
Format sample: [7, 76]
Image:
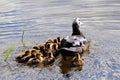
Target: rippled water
[52, 18]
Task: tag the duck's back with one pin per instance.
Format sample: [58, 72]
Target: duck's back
[73, 41]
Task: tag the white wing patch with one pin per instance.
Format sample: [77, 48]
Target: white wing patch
[76, 40]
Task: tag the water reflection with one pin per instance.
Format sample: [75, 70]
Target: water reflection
[66, 65]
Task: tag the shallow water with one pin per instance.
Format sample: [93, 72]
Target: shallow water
[44, 19]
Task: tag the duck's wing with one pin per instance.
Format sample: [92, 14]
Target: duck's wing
[72, 41]
[74, 49]
[77, 49]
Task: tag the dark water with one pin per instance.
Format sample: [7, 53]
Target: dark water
[52, 18]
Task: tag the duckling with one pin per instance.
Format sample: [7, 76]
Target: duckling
[36, 60]
[55, 41]
[34, 52]
[39, 57]
[24, 56]
[87, 48]
[49, 59]
[55, 50]
[55, 46]
[59, 42]
[42, 48]
[77, 60]
[24, 53]
[21, 55]
[52, 48]
[59, 39]
[49, 41]
[30, 53]
[48, 48]
[36, 47]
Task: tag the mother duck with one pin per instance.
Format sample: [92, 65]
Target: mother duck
[74, 43]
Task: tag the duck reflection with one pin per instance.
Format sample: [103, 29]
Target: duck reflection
[71, 63]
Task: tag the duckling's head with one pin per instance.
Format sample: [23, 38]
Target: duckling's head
[27, 52]
[39, 56]
[55, 41]
[55, 46]
[42, 48]
[34, 52]
[36, 47]
[49, 46]
[49, 41]
[58, 39]
[79, 60]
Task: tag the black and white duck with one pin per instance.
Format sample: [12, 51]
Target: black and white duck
[74, 43]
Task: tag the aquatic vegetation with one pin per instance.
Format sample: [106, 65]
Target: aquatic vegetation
[23, 32]
[8, 52]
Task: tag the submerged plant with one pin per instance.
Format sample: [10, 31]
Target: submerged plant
[8, 52]
[22, 38]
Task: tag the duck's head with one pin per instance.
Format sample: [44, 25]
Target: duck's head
[75, 26]
[77, 21]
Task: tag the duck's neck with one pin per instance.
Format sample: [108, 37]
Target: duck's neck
[76, 31]
[75, 28]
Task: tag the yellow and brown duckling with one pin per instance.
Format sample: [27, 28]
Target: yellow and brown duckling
[77, 60]
[26, 55]
[39, 46]
[36, 60]
[49, 59]
[23, 57]
[49, 41]
[52, 48]
[87, 48]
[57, 41]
